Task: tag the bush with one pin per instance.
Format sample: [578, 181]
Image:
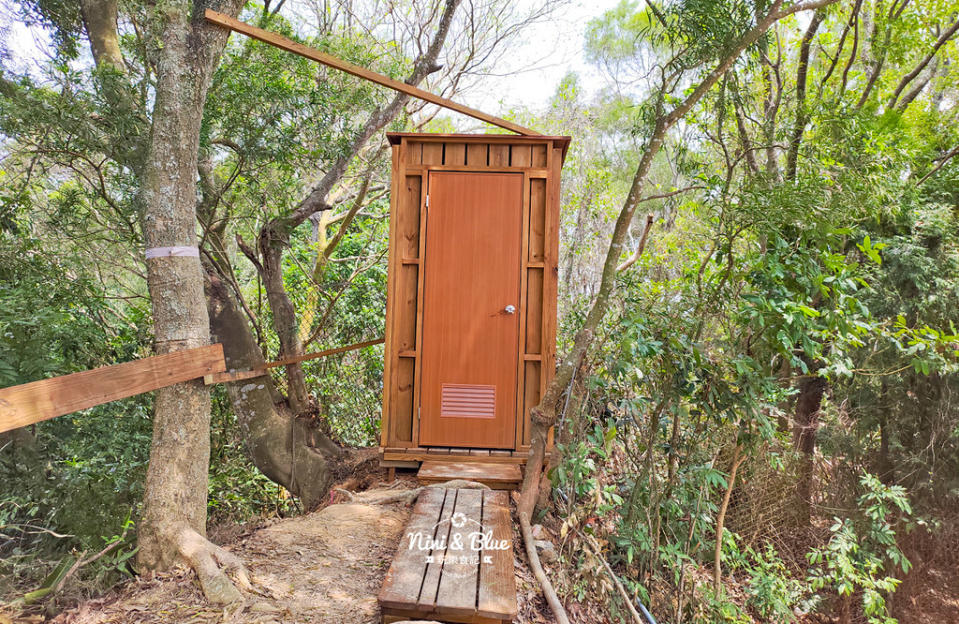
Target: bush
[863, 551]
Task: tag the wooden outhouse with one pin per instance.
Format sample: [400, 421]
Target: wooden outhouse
[471, 295]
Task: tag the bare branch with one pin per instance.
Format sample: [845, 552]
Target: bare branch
[941, 41]
[249, 252]
[842, 43]
[942, 163]
[642, 245]
[792, 155]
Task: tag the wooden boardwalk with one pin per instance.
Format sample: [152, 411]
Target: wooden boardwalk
[455, 561]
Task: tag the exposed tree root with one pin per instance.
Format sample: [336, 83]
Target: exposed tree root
[407, 497]
[212, 564]
[554, 604]
[381, 497]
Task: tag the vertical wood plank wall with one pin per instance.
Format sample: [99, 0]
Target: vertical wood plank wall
[414, 156]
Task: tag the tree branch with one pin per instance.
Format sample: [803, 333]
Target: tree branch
[100, 22]
[941, 41]
[348, 218]
[424, 65]
[942, 162]
[642, 244]
[792, 156]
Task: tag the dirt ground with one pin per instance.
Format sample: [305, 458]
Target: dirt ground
[930, 592]
[323, 567]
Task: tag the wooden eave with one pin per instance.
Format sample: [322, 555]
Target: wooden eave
[562, 141]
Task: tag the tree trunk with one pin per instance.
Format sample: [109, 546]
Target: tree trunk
[285, 448]
[100, 22]
[802, 117]
[173, 524]
[721, 520]
[811, 390]
[271, 246]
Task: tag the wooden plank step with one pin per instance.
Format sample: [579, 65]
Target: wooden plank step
[420, 455]
[496, 476]
[455, 561]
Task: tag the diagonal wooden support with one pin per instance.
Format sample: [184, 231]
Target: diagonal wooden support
[361, 72]
[216, 378]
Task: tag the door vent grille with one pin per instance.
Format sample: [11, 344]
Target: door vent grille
[468, 401]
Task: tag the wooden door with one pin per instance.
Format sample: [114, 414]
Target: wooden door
[471, 298]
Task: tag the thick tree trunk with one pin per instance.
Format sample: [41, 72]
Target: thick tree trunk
[173, 524]
[287, 449]
[811, 391]
[100, 21]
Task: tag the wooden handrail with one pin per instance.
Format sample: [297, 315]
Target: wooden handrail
[261, 370]
[48, 398]
[33, 402]
[361, 72]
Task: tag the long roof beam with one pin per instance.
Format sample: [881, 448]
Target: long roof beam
[361, 72]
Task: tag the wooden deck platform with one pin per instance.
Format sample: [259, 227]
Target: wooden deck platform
[411, 457]
[455, 561]
[495, 476]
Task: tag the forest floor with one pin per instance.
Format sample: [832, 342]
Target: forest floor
[930, 592]
[322, 567]
[327, 567]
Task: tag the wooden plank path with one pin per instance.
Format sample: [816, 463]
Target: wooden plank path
[455, 561]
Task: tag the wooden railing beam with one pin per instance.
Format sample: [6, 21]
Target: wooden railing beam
[31, 403]
[261, 370]
[37, 401]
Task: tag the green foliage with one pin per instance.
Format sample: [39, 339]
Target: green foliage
[862, 552]
[238, 492]
[80, 474]
[771, 590]
[753, 282]
[47, 325]
[805, 303]
[80, 478]
[699, 29]
[578, 477]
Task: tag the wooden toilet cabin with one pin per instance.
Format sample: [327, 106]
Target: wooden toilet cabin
[471, 295]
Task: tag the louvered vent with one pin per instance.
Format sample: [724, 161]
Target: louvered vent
[468, 401]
